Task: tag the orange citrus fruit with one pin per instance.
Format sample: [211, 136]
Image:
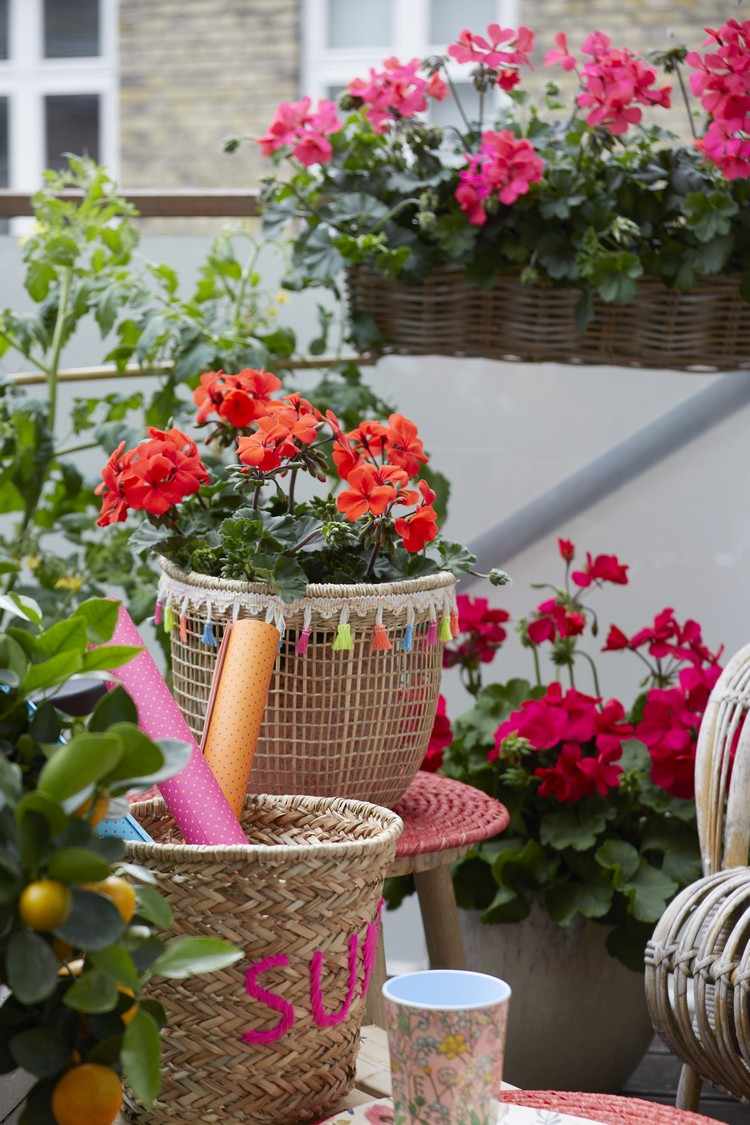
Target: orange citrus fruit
[101, 806]
[120, 891]
[44, 904]
[130, 1013]
[88, 1093]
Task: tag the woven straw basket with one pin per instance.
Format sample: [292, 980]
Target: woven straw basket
[354, 722]
[707, 328]
[311, 879]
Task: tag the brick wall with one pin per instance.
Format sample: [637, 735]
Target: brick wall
[641, 25]
[194, 71]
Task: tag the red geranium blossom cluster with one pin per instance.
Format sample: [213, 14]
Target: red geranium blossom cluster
[377, 460]
[501, 49]
[481, 633]
[577, 737]
[284, 429]
[504, 168]
[237, 399]
[563, 616]
[295, 126]
[684, 670]
[614, 82]
[396, 91]
[585, 734]
[721, 80]
[153, 477]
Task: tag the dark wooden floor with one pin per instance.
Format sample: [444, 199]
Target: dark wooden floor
[656, 1080]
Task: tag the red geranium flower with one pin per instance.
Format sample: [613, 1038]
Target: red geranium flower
[370, 490]
[440, 739]
[238, 399]
[417, 529]
[404, 445]
[114, 505]
[567, 549]
[603, 568]
[554, 620]
[162, 471]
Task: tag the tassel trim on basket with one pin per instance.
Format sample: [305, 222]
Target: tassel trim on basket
[303, 640]
[173, 608]
[381, 642]
[343, 641]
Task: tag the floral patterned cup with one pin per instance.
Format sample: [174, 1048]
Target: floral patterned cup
[446, 1032]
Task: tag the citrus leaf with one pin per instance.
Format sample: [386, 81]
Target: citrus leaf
[93, 992]
[141, 1051]
[189, 956]
[31, 967]
[77, 865]
[79, 763]
[153, 907]
[94, 921]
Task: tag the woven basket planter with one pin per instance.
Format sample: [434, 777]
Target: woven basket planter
[303, 901]
[354, 722]
[707, 328]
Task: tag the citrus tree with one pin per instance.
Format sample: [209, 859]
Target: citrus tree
[79, 927]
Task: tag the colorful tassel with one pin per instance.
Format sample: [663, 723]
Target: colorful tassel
[380, 639]
[407, 644]
[207, 635]
[158, 613]
[454, 622]
[343, 641]
[445, 628]
[303, 641]
[168, 619]
[432, 634]
[183, 628]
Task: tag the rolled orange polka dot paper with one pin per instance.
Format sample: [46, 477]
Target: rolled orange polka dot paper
[238, 700]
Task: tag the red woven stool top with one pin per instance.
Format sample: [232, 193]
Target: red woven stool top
[443, 815]
[607, 1108]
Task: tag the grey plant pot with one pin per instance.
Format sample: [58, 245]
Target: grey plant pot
[578, 1018]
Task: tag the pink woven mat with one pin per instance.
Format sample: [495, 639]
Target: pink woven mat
[607, 1108]
[440, 814]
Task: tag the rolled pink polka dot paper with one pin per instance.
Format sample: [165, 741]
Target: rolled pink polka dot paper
[194, 796]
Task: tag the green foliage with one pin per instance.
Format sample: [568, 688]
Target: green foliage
[66, 975]
[80, 266]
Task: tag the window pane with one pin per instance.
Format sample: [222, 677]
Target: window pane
[360, 23]
[447, 18]
[72, 126]
[71, 29]
[4, 5]
[4, 161]
[446, 112]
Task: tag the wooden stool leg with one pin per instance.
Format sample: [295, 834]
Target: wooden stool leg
[440, 918]
[374, 1007]
[689, 1089]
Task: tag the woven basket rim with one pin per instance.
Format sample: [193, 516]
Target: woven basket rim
[391, 827]
[716, 281]
[344, 591]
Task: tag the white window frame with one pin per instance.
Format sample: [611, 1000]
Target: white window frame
[324, 66]
[27, 78]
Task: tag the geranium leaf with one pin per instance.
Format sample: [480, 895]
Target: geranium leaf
[649, 891]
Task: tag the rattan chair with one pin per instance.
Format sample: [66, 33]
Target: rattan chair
[698, 960]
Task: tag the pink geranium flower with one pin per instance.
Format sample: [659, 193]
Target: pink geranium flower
[498, 48]
[295, 126]
[560, 53]
[394, 92]
[614, 82]
[505, 168]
